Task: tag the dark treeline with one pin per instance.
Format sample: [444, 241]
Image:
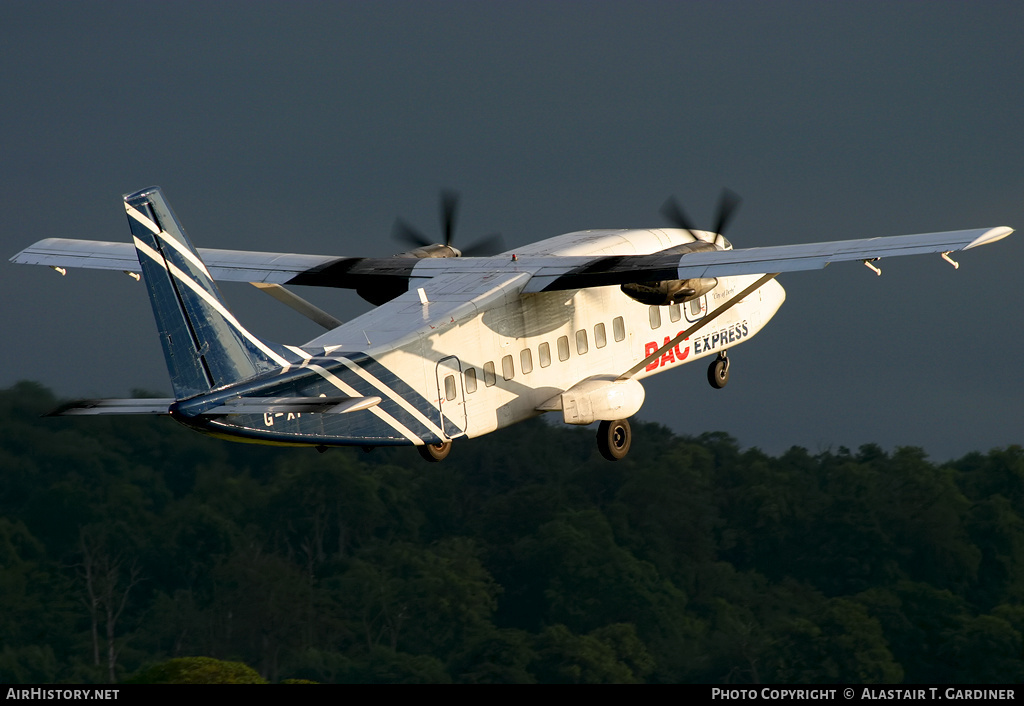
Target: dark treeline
[125, 542]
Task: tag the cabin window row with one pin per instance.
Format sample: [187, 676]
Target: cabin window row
[675, 313]
[490, 373]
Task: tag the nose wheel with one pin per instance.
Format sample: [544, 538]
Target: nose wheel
[614, 438]
[434, 453]
[718, 371]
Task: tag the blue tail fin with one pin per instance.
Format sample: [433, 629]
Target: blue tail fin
[203, 343]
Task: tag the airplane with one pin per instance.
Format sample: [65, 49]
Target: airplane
[457, 345]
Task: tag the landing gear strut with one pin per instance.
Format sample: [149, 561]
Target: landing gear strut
[434, 453]
[614, 438]
[718, 371]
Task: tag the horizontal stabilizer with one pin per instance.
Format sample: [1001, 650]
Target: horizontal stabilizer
[143, 405]
[323, 405]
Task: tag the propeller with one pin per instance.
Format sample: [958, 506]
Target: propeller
[728, 203]
[488, 245]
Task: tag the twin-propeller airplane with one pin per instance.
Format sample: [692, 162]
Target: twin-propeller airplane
[458, 346]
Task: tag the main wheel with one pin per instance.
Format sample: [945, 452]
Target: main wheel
[614, 438]
[435, 452]
[718, 373]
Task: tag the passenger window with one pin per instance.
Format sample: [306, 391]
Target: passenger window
[449, 387]
[489, 377]
[695, 308]
[544, 352]
[507, 371]
[563, 348]
[618, 328]
[600, 340]
[526, 361]
[581, 341]
[470, 380]
[655, 316]
[674, 313]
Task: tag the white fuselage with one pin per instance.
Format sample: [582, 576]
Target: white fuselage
[487, 355]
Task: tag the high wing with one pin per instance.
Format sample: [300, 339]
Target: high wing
[548, 272]
[601, 271]
[224, 265]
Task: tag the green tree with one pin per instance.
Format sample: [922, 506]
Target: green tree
[613, 655]
[197, 670]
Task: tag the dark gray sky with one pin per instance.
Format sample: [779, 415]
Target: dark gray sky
[309, 127]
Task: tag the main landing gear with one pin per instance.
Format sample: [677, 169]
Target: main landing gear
[435, 453]
[718, 371]
[614, 438]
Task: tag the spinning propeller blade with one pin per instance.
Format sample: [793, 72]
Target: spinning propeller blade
[728, 203]
[488, 245]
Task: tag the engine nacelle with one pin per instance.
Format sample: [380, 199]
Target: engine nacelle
[435, 250]
[669, 291]
[384, 288]
[601, 397]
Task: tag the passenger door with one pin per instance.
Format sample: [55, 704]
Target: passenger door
[451, 397]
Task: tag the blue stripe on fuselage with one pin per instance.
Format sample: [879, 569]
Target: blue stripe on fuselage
[306, 382]
[400, 414]
[389, 380]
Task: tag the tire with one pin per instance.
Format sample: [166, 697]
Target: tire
[614, 439]
[718, 374]
[435, 453]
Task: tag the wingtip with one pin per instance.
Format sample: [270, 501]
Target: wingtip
[990, 236]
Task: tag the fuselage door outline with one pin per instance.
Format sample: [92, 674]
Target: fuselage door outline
[451, 397]
[695, 309]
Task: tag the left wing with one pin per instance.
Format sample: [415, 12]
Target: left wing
[624, 269]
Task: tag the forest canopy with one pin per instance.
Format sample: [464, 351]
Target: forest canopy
[126, 543]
